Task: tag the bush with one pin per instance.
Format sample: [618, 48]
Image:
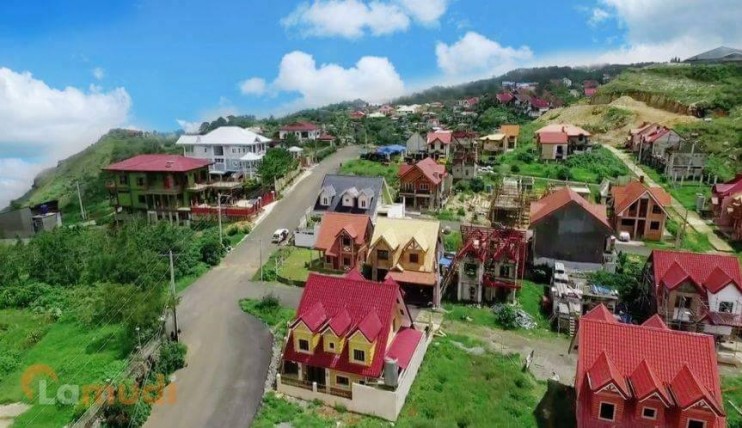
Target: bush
[563, 173]
[514, 169]
[476, 185]
[506, 317]
[172, 357]
[461, 212]
[211, 249]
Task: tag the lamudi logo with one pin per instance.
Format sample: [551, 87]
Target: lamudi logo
[35, 384]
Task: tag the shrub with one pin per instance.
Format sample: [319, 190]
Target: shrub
[461, 212]
[514, 169]
[9, 360]
[506, 317]
[476, 185]
[172, 357]
[563, 173]
[268, 303]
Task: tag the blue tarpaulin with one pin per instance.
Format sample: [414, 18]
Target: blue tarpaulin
[445, 262]
[391, 150]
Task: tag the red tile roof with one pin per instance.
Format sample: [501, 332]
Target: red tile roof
[403, 346]
[539, 103]
[504, 97]
[443, 136]
[300, 126]
[706, 271]
[552, 138]
[624, 196]
[355, 225]
[369, 305]
[649, 359]
[431, 169]
[653, 136]
[600, 313]
[732, 187]
[158, 163]
[655, 321]
[556, 200]
[589, 92]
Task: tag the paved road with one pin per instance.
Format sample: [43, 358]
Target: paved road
[229, 351]
[694, 220]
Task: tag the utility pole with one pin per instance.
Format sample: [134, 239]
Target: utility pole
[174, 296]
[681, 233]
[219, 214]
[260, 243]
[79, 199]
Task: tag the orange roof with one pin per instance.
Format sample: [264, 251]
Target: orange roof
[411, 277]
[624, 196]
[570, 130]
[556, 200]
[431, 169]
[332, 224]
[510, 130]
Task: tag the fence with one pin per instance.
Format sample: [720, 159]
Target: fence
[233, 211]
[286, 180]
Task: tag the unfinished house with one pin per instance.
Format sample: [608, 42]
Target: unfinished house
[464, 161]
[726, 205]
[639, 210]
[510, 202]
[677, 158]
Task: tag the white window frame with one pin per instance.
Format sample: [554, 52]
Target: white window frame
[731, 311]
[654, 409]
[325, 201]
[600, 407]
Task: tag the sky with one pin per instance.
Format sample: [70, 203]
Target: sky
[72, 69]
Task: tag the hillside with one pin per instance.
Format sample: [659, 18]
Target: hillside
[85, 167]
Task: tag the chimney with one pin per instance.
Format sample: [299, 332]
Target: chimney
[641, 179]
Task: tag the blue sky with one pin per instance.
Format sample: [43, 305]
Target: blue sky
[70, 70]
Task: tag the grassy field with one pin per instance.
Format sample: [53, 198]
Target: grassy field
[270, 312]
[731, 387]
[79, 355]
[368, 168]
[290, 263]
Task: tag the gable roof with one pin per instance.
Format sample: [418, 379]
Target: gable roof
[399, 232]
[539, 103]
[510, 130]
[353, 305]
[709, 272]
[443, 136]
[624, 196]
[158, 163]
[570, 130]
[655, 321]
[649, 360]
[431, 169]
[504, 97]
[721, 53]
[300, 126]
[552, 138]
[562, 197]
[333, 224]
[340, 183]
[224, 135]
[731, 187]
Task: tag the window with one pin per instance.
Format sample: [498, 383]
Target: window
[695, 423]
[362, 203]
[122, 179]
[328, 259]
[649, 413]
[414, 258]
[505, 271]
[727, 307]
[607, 411]
[382, 254]
[142, 199]
[303, 345]
[346, 241]
[325, 201]
[331, 345]
[359, 355]
[342, 380]
[655, 225]
[346, 261]
[423, 186]
[140, 181]
[627, 222]
[656, 209]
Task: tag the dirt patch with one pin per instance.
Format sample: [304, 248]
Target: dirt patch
[8, 412]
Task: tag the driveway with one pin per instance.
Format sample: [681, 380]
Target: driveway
[229, 351]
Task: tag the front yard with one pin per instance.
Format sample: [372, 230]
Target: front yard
[290, 265]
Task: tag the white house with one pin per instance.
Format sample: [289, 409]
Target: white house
[302, 130]
[231, 149]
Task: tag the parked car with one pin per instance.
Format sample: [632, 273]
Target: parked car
[279, 235]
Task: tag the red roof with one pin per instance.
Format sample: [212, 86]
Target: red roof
[709, 272]
[326, 137]
[552, 138]
[539, 103]
[300, 126]
[354, 225]
[657, 133]
[504, 97]
[731, 187]
[589, 92]
[624, 196]
[465, 134]
[655, 321]
[158, 163]
[562, 197]
[649, 359]
[443, 136]
[431, 169]
[404, 345]
[352, 305]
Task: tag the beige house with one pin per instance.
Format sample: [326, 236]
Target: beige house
[495, 143]
[558, 141]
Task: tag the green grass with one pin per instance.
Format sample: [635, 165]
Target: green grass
[368, 168]
[270, 312]
[686, 194]
[79, 355]
[452, 241]
[184, 282]
[294, 266]
[691, 241]
[731, 388]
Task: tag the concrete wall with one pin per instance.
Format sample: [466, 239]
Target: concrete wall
[306, 238]
[16, 224]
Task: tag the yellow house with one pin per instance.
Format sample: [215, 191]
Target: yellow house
[407, 251]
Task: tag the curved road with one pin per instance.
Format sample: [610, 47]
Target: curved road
[229, 351]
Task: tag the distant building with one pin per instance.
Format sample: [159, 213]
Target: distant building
[512, 132]
[721, 54]
[439, 143]
[726, 205]
[229, 150]
[28, 221]
[351, 194]
[537, 107]
[558, 141]
[302, 130]
[417, 147]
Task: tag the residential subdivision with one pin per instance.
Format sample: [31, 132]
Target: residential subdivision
[232, 152]
[424, 185]
[343, 240]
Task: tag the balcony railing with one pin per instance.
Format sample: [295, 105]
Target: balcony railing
[297, 382]
[346, 393]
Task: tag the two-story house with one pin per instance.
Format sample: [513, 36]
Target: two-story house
[697, 292]
[156, 185]
[558, 141]
[639, 210]
[408, 251]
[637, 136]
[351, 194]
[352, 343]
[439, 144]
[425, 185]
[490, 263]
[230, 150]
[417, 147]
[343, 240]
[726, 206]
[675, 156]
[645, 376]
[512, 132]
[303, 131]
[493, 144]
[464, 156]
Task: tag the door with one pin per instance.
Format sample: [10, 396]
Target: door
[316, 374]
[640, 225]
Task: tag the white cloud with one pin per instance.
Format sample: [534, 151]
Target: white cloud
[49, 124]
[189, 127]
[475, 56]
[253, 86]
[597, 16]
[352, 19]
[99, 73]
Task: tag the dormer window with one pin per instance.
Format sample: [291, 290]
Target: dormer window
[304, 345]
[359, 355]
[649, 413]
[346, 241]
[414, 258]
[348, 201]
[325, 201]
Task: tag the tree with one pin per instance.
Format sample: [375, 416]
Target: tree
[276, 163]
[291, 140]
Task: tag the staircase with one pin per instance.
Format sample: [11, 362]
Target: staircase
[572, 326]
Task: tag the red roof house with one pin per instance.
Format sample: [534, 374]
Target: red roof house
[696, 290]
[645, 375]
[344, 329]
[424, 185]
[504, 97]
[439, 143]
[343, 240]
[302, 131]
[589, 92]
[726, 205]
[640, 210]
[158, 163]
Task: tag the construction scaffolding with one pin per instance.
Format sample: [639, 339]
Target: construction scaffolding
[511, 202]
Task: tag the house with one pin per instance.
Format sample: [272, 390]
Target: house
[696, 292]
[343, 240]
[726, 206]
[558, 141]
[490, 263]
[357, 115]
[645, 375]
[537, 107]
[512, 132]
[376, 115]
[590, 84]
[230, 150]
[417, 146]
[637, 136]
[407, 251]
[568, 228]
[27, 221]
[425, 185]
[468, 139]
[353, 344]
[386, 110]
[351, 194]
[566, 82]
[159, 186]
[677, 158]
[464, 160]
[590, 92]
[505, 98]
[302, 130]
[722, 54]
[469, 103]
[439, 143]
[495, 143]
[639, 210]
[404, 110]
